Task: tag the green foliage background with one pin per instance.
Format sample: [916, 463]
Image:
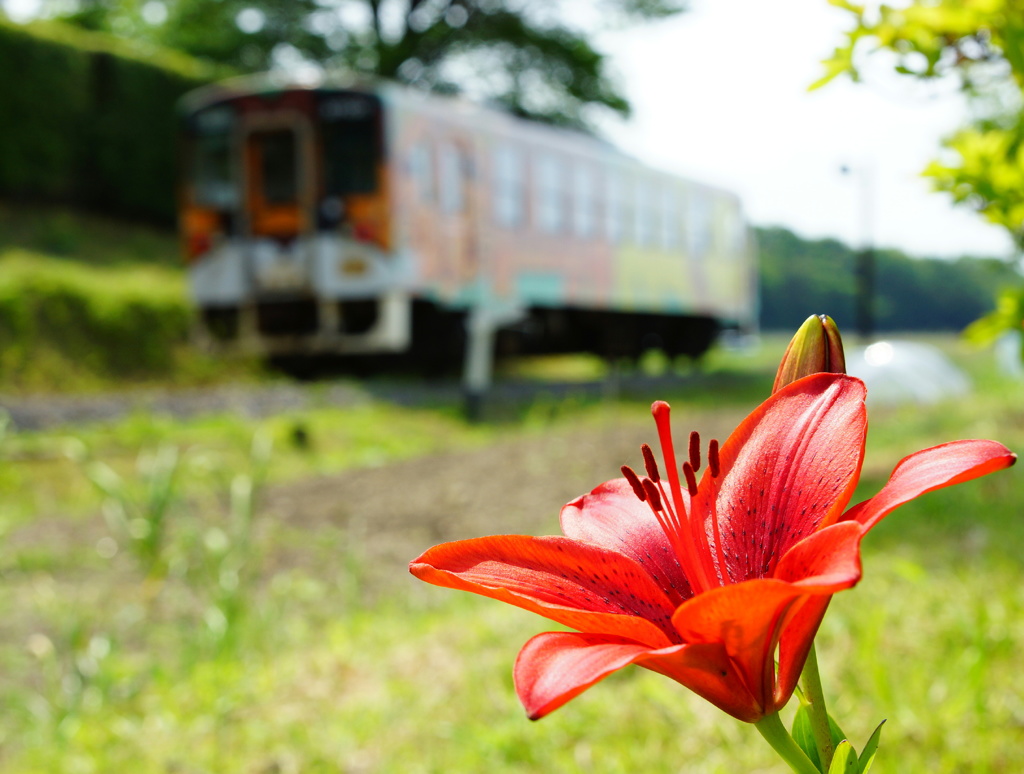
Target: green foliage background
[978, 44]
[116, 322]
[96, 303]
[800, 276]
[90, 121]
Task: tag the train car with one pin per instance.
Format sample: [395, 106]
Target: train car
[362, 218]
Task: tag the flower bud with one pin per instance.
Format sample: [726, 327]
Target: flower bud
[816, 348]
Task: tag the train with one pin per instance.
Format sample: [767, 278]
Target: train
[333, 216]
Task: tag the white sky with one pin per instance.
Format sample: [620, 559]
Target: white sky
[720, 94]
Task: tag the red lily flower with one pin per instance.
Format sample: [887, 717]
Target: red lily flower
[707, 583]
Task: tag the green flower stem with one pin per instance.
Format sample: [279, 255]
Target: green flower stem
[771, 728]
[814, 699]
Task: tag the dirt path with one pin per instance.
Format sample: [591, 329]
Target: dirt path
[391, 514]
[377, 519]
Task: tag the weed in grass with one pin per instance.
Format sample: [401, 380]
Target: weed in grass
[227, 563]
[137, 511]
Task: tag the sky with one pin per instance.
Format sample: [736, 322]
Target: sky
[720, 95]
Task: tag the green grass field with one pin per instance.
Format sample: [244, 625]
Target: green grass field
[176, 625]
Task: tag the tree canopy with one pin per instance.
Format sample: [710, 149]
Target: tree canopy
[914, 294]
[528, 56]
[978, 45]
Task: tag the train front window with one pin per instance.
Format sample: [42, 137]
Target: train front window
[278, 166]
[212, 168]
[352, 146]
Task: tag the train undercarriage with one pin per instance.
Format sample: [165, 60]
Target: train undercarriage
[367, 335]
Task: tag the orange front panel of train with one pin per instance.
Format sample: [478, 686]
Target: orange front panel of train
[271, 161]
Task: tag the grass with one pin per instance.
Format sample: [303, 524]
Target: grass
[248, 665]
[89, 304]
[68, 234]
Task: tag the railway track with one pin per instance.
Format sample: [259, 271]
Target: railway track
[28, 413]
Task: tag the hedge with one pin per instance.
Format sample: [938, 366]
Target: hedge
[88, 120]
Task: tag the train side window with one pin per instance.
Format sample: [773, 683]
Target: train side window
[509, 186]
[669, 217]
[550, 194]
[422, 168]
[213, 172]
[613, 208]
[450, 179]
[641, 214]
[698, 224]
[731, 236]
[584, 201]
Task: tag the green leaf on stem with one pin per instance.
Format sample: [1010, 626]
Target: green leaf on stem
[803, 735]
[838, 735]
[845, 760]
[868, 756]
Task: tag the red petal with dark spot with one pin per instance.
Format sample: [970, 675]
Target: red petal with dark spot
[788, 470]
[612, 516]
[577, 584]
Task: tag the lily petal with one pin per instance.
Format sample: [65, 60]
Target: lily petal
[929, 469]
[706, 669]
[554, 667]
[826, 562]
[789, 469]
[795, 643]
[747, 619]
[612, 516]
[577, 584]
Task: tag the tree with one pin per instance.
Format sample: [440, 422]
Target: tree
[914, 294]
[521, 54]
[980, 45]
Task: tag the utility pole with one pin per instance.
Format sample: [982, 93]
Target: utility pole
[864, 268]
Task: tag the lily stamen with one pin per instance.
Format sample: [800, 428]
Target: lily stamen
[634, 482]
[647, 491]
[681, 533]
[691, 478]
[653, 497]
[695, 450]
[713, 463]
[650, 463]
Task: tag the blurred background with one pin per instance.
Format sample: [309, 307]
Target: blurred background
[204, 560]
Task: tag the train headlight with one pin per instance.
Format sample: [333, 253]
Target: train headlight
[353, 266]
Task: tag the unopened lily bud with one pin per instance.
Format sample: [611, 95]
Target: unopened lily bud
[816, 348]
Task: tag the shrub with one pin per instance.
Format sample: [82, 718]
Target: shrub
[60, 321]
